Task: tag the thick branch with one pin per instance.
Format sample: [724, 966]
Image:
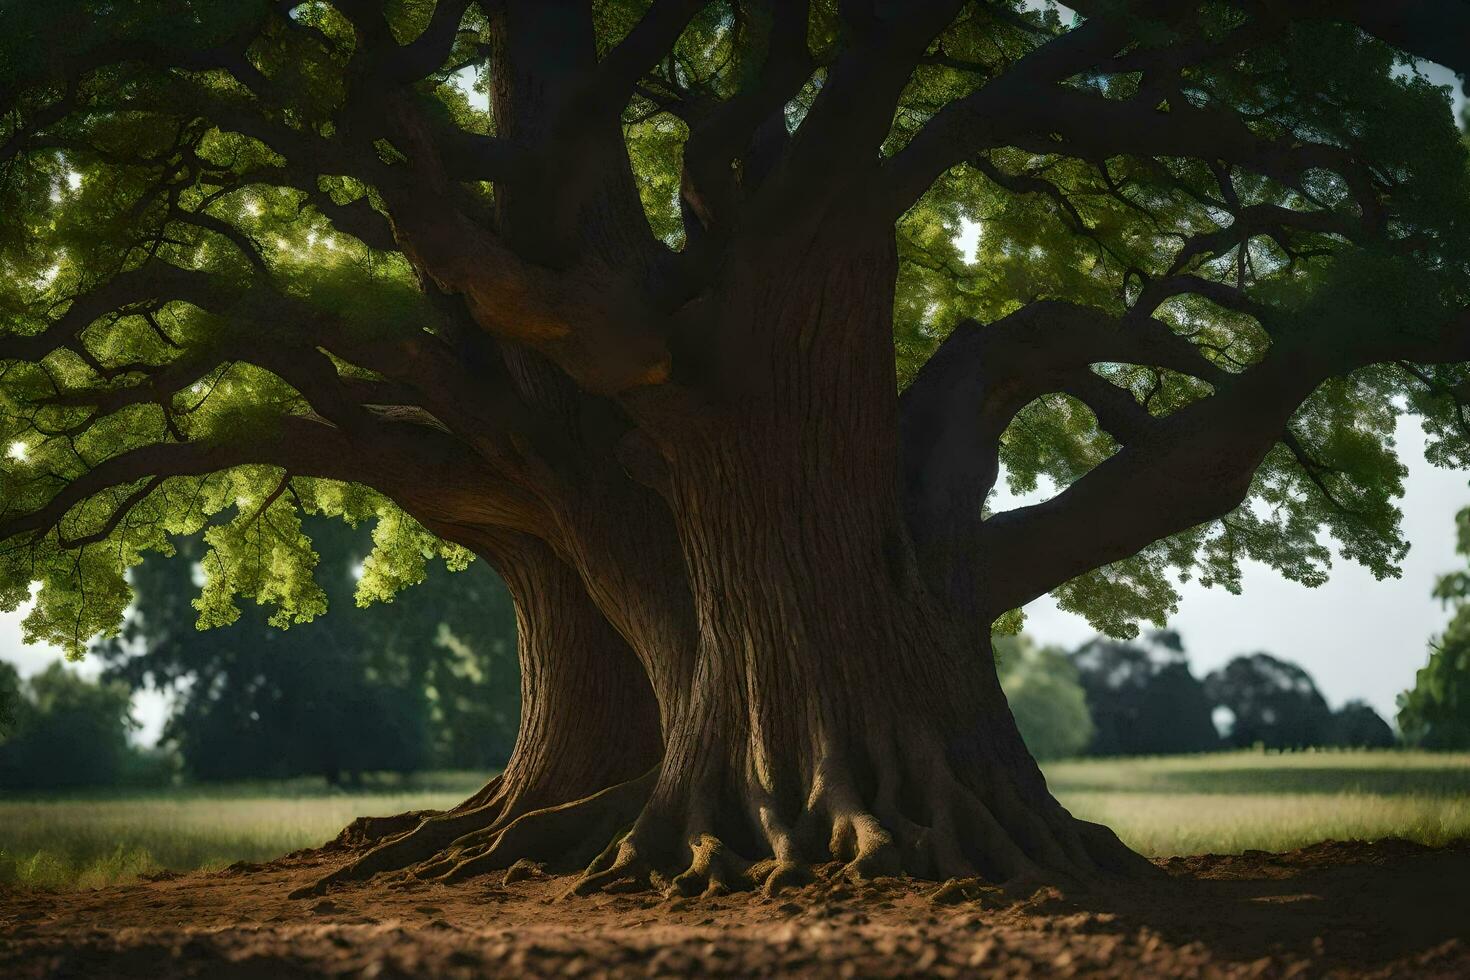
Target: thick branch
[610, 85]
[1026, 108]
[724, 132]
[954, 413]
[152, 284]
[1190, 467]
[422, 468]
[853, 112]
[428, 52]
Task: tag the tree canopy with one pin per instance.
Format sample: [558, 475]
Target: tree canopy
[225, 224]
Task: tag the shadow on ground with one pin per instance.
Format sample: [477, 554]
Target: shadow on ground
[1351, 909]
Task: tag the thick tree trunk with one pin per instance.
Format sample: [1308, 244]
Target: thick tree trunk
[837, 711]
[584, 754]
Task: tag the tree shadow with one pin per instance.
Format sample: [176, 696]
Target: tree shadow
[1359, 905]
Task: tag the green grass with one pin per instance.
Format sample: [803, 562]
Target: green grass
[1163, 806]
[86, 840]
[1240, 801]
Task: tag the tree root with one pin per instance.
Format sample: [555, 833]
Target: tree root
[920, 818]
[488, 832]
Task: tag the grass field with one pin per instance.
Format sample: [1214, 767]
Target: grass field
[1240, 801]
[1165, 806]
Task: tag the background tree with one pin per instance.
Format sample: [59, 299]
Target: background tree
[1435, 712]
[9, 698]
[1143, 698]
[1272, 702]
[1356, 725]
[427, 680]
[68, 732]
[636, 334]
[1044, 694]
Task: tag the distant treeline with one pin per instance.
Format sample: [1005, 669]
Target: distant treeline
[1113, 698]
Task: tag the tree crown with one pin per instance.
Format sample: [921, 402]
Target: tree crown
[272, 259]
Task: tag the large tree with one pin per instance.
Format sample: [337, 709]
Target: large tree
[676, 334]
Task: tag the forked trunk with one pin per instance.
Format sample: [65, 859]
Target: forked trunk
[588, 715]
[818, 702]
[838, 710]
[589, 728]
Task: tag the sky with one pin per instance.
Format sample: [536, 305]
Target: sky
[1359, 638]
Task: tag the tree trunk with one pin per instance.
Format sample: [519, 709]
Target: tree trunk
[585, 751]
[838, 711]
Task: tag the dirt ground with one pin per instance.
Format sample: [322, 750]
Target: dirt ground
[1386, 909]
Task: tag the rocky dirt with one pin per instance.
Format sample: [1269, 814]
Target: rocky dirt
[1385, 909]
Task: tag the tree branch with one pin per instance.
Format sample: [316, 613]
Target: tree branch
[1187, 468]
[610, 85]
[953, 414]
[151, 284]
[427, 471]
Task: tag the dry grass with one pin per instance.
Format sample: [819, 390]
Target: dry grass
[1180, 805]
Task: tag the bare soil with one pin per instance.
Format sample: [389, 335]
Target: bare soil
[1390, 908]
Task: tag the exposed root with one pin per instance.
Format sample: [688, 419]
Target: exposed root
[1113, 856]
[562, 836]
[492, 835]
[366, 832]
[911, 814]
[917, 817]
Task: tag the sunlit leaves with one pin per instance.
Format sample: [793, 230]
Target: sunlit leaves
[261, 554]
[399, 559]
[153, 166]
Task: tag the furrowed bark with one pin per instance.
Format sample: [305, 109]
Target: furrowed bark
[589, 732]
[837, 711]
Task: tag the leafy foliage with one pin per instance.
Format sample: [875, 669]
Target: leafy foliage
[227, 166]
[426, 681]
[1044, 694]
[1435, 712]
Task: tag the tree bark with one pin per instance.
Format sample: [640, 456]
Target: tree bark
[587, 744]
[837, 711]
